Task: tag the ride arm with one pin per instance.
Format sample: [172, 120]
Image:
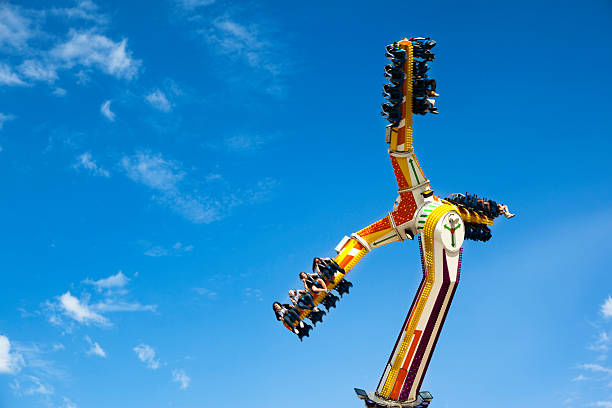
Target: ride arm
[400, 137]
[352, 250]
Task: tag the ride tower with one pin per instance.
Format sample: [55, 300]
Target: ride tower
[440, 226]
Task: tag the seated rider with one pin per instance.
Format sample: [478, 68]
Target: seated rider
[313, 283]
[326, 267]
[503, 209]
[301, 299]
[288, 315]
[431, 106]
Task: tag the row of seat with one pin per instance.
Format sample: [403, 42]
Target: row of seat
[423, 87]
[326, 271]
[481, 205]
[477, 232]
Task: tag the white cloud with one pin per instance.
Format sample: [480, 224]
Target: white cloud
[158, 100]
[68, 403]
[206, 293]
[58, 346]
[84, 10]
[105, 110]
[181, 377]
[153, 171]
[117, 305]
[604, 404]
[37, 71]
[85, 161]
[8, 77]
[94, 348]
[80, 310]
[184, 196]
[193, 4]
[250, 293]
[146, 354]
[32, 359]
[602, 343]
[30, 385]
[246, 42]
[606, 308]
[59, 92]
[116, 281]
[176, 250]
[10, 362]
[14, 27]
[197, 209]
[5, 118]
[597, 368]
[579, 378]
[237, 40]
[111, 298]
[89, 49]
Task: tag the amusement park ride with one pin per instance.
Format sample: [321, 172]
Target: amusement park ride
[442, 225]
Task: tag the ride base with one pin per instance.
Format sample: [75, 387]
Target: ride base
[373, 401]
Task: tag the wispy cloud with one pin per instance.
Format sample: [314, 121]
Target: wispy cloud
[84, 10]
[118, 305]
[94, 348]
[106, 111]
[68, 403]
[165, 176]
[113, 282]
[10, 361]
[9, 77]
[604, 404]
[90, 49]
[85, 161]
[190, 5]
[59, 92]
[30, 385]
[80, 310]
[597, 368]
[38, 71]
[246, 39]
[196, 201]
[181, 377]
[146, 354]
[153, 171]
[243, 41]
[252, 294]
[84, 47]
[175, 250]
[606, 308]
[5, 118]
[15, 28]
[35, 362]
[210, 294]
[112, 298]
[159, 101]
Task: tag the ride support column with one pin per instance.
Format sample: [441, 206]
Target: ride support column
[440, 241]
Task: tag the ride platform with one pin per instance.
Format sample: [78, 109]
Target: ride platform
[374, 401]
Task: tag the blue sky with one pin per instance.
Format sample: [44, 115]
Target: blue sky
[168, 168]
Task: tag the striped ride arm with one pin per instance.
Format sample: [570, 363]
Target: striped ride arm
[352, 250]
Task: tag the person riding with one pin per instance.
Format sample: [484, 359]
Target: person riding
[288, 315]
[301, 299]
[326, 267]
[313, 283]
[501, 208]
